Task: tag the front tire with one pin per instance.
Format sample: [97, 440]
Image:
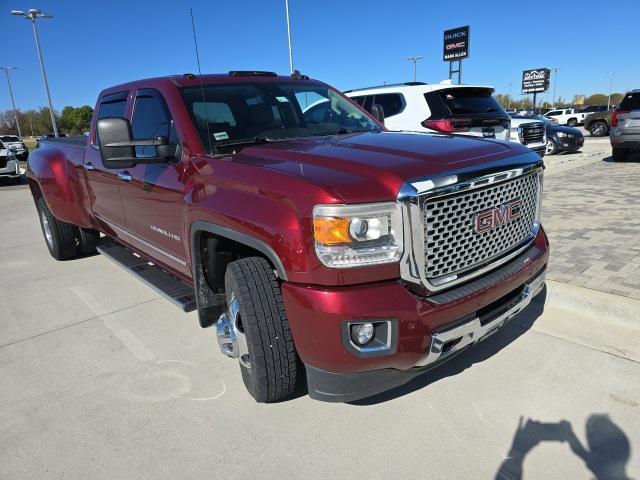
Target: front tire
[598, 129]
[267, 356]
[572, 122]
[59, 236]
[551, 148]
[619, 154]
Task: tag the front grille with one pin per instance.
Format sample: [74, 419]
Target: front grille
[452, 245]
[533, 133]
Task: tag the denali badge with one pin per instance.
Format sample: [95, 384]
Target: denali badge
[490, 219]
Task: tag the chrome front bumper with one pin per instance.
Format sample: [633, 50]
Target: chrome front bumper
[446, 342]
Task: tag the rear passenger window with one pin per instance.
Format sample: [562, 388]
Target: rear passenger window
[391, 103]
[631, 101]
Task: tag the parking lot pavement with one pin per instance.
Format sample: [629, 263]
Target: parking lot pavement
[591, 212]
[101, 378]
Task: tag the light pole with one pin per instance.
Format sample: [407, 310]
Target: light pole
[33, 15]
[610, 86]
[509, 107]
[415, 59]
[286, 6]
[15, 112]
[555, 81]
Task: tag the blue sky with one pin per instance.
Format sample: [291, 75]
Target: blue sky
[350, 43]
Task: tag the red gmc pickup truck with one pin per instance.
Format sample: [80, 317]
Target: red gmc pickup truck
[316, 241]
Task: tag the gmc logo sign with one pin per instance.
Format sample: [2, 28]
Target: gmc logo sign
[490, 219]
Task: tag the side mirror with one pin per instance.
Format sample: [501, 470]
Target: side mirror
[117, 148]
[378, 112]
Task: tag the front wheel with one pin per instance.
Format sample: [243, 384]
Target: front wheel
[59, 236]
[257, 321]
[572, 122]
[551, 148]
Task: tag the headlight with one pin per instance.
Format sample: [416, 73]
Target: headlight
[514, 134]
[357, 235]
[563, 134]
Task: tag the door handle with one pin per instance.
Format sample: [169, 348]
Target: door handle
[124, 176]
[89, 166]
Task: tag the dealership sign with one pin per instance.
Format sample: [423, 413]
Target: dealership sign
[456, 44]
[535, 81]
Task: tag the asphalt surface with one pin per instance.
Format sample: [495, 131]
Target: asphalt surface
[102, 378]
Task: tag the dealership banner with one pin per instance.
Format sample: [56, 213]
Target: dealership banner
[456, 44]
[535, 81]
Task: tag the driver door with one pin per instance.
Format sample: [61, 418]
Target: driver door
[152, 195]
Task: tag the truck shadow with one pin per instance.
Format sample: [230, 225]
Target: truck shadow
[516, 327]
[633, 158]
[605, 454]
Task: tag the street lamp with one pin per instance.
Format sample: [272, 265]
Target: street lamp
[415, 59]
[15, 112]
[610, 85]
[555, 81]
[509, 107]
[33, 15]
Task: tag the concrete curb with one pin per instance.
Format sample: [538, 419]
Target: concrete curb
[597, 320]
[595, 304]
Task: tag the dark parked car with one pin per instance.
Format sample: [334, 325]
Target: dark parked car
[560, 138]
[598, 124]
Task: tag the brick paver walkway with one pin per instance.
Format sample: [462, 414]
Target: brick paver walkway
[592, 216]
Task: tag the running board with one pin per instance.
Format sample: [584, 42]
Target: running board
[166, 285]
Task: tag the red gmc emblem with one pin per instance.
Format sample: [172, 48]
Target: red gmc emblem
[490, 219]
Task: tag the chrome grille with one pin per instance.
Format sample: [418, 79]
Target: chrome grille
[532, 133]
[452, 245]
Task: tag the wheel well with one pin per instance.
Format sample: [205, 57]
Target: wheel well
[217, 252]
[211, 253]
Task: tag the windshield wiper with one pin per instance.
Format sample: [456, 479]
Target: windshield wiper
[342, 131]
[244, 141]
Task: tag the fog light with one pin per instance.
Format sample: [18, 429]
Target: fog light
[362, 333]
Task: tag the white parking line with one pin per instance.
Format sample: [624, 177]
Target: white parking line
[134, 345]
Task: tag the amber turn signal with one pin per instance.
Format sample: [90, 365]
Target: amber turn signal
[331, 230]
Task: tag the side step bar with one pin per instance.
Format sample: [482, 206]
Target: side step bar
[166, 285]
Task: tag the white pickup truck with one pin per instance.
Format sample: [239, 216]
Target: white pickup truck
[567, 116]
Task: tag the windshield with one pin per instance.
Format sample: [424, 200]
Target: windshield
[9, 138]
[229, 115]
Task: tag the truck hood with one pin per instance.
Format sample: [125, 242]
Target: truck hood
[372, 166]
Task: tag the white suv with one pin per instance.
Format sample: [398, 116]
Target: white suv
[441, 107]
[9, 166]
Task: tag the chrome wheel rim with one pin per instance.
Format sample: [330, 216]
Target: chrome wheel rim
[549, 147]
[597, 129]
[46, 228]
[231, 337]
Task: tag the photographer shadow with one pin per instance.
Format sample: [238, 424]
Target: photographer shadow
[606, 454]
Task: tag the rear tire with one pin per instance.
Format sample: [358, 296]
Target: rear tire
[619, 154]
[88, 241]
[598, 129]
[59, 236]
[572, 122]
[269, 364]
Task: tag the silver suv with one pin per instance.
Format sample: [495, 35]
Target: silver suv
[625, 126]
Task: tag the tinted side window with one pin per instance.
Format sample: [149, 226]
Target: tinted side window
[151, 119]
[368, 101]
[359, 100]
[631, 101]
[391, 103]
